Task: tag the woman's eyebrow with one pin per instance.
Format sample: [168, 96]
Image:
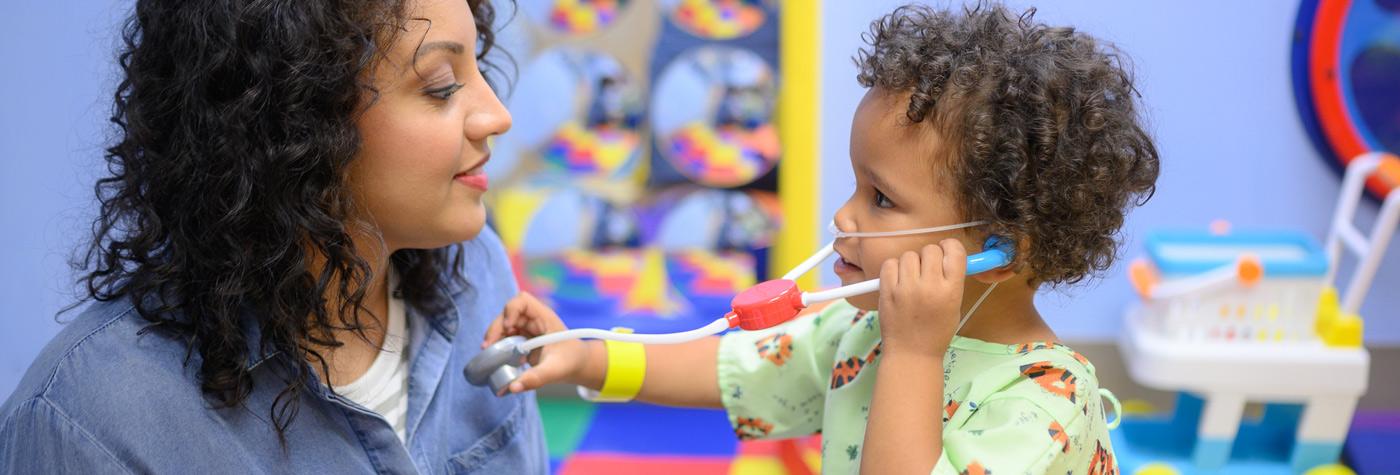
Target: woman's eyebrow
[448, 46]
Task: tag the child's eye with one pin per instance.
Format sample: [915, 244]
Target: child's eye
[444, 92]
[882, 201]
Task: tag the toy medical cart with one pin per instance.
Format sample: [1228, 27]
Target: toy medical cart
[1230, 318]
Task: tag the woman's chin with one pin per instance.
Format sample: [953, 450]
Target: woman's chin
[471, 231]
[472, 221]
[454, 229]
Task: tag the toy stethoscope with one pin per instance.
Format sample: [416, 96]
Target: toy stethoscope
[762, 306]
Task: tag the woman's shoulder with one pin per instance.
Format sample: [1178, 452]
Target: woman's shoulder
[101, 358]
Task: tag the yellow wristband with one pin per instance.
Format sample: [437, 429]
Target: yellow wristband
[627, 367]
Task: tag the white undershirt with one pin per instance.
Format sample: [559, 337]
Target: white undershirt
[384, 387]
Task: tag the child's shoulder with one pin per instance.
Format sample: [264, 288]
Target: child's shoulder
[838, 318]
[837, 308]
[1052, 375]
[1052, 351]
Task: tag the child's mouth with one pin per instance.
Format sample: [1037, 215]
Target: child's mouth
[843, 267]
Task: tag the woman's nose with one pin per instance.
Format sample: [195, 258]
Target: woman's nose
[488, 117]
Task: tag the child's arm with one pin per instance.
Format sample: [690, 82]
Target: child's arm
[905, 427]
[676, 375]
[920, 295]
[680, 375]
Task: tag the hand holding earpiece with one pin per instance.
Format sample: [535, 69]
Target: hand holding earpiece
[526, 316]
[920, 298]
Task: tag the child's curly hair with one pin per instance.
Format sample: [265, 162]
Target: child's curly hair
[1045, 142]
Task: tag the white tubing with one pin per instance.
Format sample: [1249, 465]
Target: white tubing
[976, 304]
[807, 265]
[848, 291]
[838, 233]
[714, 327]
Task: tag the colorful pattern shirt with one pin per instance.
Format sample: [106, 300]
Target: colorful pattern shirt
[1007, 409]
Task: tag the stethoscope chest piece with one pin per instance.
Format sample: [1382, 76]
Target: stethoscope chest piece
[497, 365]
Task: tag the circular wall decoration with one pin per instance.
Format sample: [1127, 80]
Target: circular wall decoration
[573, 17]
[694, 217]
[717, 19]
[1346, 80]
[712, 116]
[582, 112]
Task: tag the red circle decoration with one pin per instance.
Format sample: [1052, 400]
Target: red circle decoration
[1340, 67]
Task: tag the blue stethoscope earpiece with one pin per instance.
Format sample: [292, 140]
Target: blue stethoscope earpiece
[996, 253]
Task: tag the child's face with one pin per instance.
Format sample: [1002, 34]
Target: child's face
[898, 186]
[418, 177]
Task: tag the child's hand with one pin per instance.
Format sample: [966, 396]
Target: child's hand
[920, 297]
[562, 362]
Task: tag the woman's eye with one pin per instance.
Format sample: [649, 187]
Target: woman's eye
[882, 201]
[444, 92]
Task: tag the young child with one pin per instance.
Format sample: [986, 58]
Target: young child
[985, 118]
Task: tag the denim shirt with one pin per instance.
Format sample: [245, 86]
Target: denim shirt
[104, 397]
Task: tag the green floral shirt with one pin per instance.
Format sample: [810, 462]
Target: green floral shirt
[1007, 409]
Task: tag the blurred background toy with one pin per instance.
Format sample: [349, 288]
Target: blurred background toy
[1244, 317]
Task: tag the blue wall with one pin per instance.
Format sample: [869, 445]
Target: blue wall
[54, 96]
[1214, 76]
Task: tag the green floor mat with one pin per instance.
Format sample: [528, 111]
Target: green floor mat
[565, 423]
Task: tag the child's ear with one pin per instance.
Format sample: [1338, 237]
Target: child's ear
[1006, 272]
[1000, 274]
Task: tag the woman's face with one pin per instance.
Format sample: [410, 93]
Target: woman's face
[418, 176]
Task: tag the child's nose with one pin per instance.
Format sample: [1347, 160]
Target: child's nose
[842, 219]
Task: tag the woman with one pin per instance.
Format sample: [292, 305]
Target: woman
[289, 265]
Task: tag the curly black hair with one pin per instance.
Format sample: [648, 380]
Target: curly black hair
[234, 126]
[1045, 140]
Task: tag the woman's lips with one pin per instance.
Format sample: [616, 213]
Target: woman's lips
[475, 177]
